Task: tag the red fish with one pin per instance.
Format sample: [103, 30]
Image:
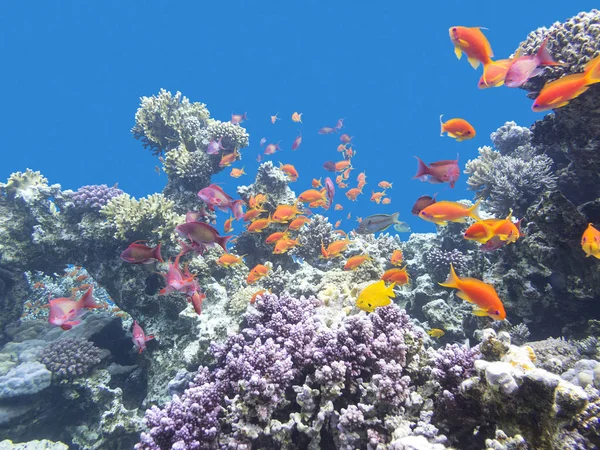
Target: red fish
[202, 234]
[65, 311]
[272, 148]
[214, 196]
[178, 281]
[196, 300]
[141, 254]
[236, 119]
[445, 171]
[139, 337]
[297, 142]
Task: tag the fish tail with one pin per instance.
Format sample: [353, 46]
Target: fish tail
[441, 125]
[487, 80]
[592, 71]
[474, 211]
[390, 290]
[156, 253]
[545, 58]
[422, 170]
[222, 241]
[452, 281]
[87, 300]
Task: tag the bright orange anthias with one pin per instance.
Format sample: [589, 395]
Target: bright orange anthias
[236, 173]
[298, 223]
[397, 258]
[252, 214]
[503, 229]
[443, 212]
[590, 242]
[259, 271]
[377, 196]
[473, 43]
[479, 293]
[312, 195]
[290, 171]
[495, 73]
[228, 260]
[396, 275]
[285, 244]
[336, 248]
[274, 237]
[257, 201]
[457, 128]
[258, 225]
[351, 194]
[285, 213]
[228, 225]
[355, 261]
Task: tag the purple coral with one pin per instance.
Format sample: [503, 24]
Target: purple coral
[438, 261]
[93, 197]
[69, 358]
[453, 364]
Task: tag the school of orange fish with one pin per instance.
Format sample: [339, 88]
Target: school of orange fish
[279, 224]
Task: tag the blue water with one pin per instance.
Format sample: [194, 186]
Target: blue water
[73, 73]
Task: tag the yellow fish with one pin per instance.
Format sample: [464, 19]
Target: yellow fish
[375, 295]
[436, 333]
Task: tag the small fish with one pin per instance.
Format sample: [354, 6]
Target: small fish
[422, 202]
[402, 227]
[214, 147]
[349, 215]
[141, 254]
[337, 224]
[297, 142]
[65, 312]
[346, 139]
[436, 333]
[396, 275]
[590, 242]
[316, 183]
[258, 294]
[85, 277]
[377, 196]
[298, 223]
[355, 261]
[228, 225]
[312, 195]
[272, 148]
[252, 214]
[340, 166]
[446, 171]
[157, 170]
[472, 42]
[350, 153]
[284, 245]
[384, 185]
[196, 300]
[397, 258]
[339, 124]
[297, 117]
[259, 158]
[329, 166]
[259, 271]
[289, 170]
[274, 237]
[386, 201]
[338, 207]
[341, 148]
[327, 130]
[375, 295]
[139, 337]
[258, 225]
[376, 223]
[443, 212]
[285, 213]
[459, 129]
[229, 158]
[361, 178]
[236, 173]
[477, 292]
[353, 193]
[236, 119]
[263, 141]
[214, 196]
[336, 248]
[493, 244]
[523, 68]
[275, 118]
[202, 234]
[559, 93]
[330, 191]
[228, 260]
[495, 74]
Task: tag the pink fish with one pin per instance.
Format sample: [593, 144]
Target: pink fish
[259, 158]
[297, 142]
[65, 311]
[214, 147]
[339, 124]
[196, 300]
[445, 171]
[202, 234]
[236, 119]
[272, 148]
[263, 141]
[345, 138]
[525, 67]
[214, 196]
[178, 281]
[330, 189]
[141, 254]
[327, 130]
[493, 244]
[139, 337]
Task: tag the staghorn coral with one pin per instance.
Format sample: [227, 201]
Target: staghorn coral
[149, 217]
[509, 137]
[94, 197]
[164, 121]
[69, 358]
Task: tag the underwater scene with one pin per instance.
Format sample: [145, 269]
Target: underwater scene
[286, 281]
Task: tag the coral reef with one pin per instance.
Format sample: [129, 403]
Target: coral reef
[94, 197]
[70, 358]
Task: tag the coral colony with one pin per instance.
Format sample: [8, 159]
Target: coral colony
[136, 323]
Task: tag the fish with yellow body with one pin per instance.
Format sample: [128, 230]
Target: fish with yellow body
[375, 295]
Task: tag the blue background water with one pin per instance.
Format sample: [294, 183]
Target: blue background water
[73, 73]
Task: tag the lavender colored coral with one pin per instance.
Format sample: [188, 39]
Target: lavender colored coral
[93, 197]
[70, 358]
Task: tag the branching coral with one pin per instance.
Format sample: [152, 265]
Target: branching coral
[509, 137]
[94, 197]
[438, 262]
[151, 217]
[70, 358]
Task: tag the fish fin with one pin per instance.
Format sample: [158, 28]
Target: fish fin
[390, 290]
[544, 56]
[452, 135]
[442, 224]
[464, 296]
[537, 71]
[474, 211]
[480, 312]
[452, 281]
[422, 170]
[592, 71]
[441, 125]
[474, 62]
[156, 253]
[457, 51]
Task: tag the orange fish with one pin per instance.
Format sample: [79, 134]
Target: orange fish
[337, 224]
[484, 230]
[349, 153]
[396, 275]
[312, 195]
[397, 257]
[236, 173]
[359, 219]
[228, 260]
[336, 248]
[377, 196]
[284, 244]
[355, 261]
[81, 278]
[298, 223]
[473, 42]
[257, 294]
[495, 73]
[228, 225]
[384, 185]
[590, 242]
[324, 253]
[316, 183]
[346, 173]
[362, 179]
[285, 213]
[341, 148]
[290, 171]
[443, 212]
[559, 93]
[275, 118]
[257, 201]
[338, 207]
[476, 291]
[386, 201]
[274, 237]
[297, 117]
[259, 271]
[353, 193]
[258, 225]
[252, 214]
[349, 215]
[341, 166]
[228, 159]
[322, 203]
[459, 129]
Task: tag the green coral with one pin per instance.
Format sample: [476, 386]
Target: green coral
[165, 121]
[152, 217]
